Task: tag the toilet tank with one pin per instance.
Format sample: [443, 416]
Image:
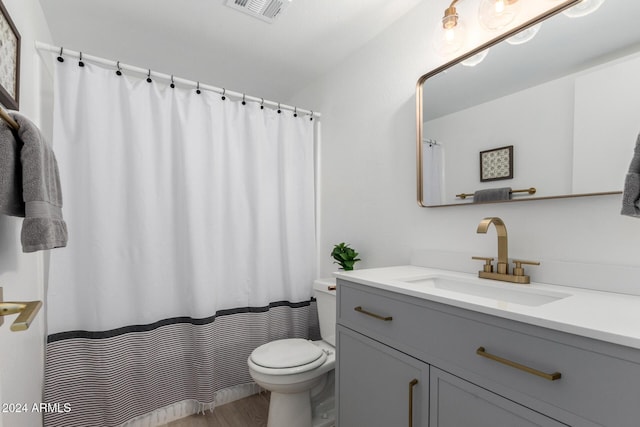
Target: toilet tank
[326, 300]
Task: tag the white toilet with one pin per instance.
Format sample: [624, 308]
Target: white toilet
[300, 373]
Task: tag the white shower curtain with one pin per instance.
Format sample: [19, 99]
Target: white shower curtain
[191, 223]
[432, 173]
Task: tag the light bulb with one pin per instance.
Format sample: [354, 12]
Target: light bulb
[497, 14]
[450, 33]
[584, 8]
[449, 41]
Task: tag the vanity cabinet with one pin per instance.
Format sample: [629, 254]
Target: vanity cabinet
[456, 402]
[380, 386]
[482, 369]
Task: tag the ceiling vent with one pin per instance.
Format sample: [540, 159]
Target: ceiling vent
[265, 10]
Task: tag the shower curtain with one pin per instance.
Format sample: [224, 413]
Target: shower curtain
[192, 241]
[432, 173]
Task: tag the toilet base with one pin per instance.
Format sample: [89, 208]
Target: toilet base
[289, 410]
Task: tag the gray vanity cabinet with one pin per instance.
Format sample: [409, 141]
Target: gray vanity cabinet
[386, 339]
[456, 402]
[377, 384]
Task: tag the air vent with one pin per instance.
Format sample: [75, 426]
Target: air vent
[265, 10]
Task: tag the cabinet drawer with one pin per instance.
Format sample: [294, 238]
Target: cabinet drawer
[595, 386]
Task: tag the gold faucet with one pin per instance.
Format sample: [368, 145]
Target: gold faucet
[487, 272]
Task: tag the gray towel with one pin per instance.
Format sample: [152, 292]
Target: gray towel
[30, 185]
[631, 193]
[492, 195]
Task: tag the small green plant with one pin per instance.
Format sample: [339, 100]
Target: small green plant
[345, 256]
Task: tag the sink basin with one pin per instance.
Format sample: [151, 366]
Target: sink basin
[498, 291]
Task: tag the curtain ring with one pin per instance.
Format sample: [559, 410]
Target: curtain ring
[295, 111]
[198, 88]
[149, 76]
[243, 101]
[223, 93]
[311, 118]
[119, 70]
[172, 85]
[60, 58]
[80, 63]
[262, 104]
[279, 110]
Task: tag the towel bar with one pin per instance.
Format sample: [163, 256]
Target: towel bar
[7, 118]
[531, 190]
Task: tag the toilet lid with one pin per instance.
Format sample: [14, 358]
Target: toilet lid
[286, 353]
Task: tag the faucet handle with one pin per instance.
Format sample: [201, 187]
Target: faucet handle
[518, 270]
[487, 267]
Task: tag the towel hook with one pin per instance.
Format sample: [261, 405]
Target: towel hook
[60, 58]
[149, 76]
[80, 63]
[119, 70]
[198, 91]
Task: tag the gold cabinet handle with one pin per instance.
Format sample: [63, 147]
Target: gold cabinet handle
[27, 310]
[412, 384]
[359, 309]
[551, 377]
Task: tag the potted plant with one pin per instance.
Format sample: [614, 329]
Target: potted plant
[345, 256]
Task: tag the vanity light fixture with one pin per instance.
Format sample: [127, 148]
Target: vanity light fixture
[475, 59]
[450, 34]
[524, 35]
[584, 8]
[497, 14]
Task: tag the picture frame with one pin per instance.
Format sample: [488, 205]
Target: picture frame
[9, 61]
[496, 164]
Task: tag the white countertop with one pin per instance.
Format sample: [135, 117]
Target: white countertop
[606, 316]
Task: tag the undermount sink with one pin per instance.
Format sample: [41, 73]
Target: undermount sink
[510, 293]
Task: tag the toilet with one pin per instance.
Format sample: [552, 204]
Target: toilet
[300, 373]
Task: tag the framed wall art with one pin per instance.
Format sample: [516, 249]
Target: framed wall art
[9, 61]
[496, 164]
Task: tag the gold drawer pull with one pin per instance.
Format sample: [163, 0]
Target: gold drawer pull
[368, 313]
[551, 377]
[412, 384]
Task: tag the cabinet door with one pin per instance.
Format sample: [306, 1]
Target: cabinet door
[456, 402]
[378, 386]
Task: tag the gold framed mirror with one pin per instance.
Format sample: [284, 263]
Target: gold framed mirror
[559, 100]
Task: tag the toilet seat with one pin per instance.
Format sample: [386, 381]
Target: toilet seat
[287, 356]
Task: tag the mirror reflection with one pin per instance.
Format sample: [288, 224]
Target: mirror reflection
[556, 116]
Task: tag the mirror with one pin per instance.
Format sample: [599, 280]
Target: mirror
[567, 103]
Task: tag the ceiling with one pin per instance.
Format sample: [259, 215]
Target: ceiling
[207, 41]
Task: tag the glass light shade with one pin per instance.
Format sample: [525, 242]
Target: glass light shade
[525, 35]
[475, 59]
[497, 14]
[584, 8]
[449, 41]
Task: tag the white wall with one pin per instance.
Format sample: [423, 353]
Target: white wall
[368, 171]
[22, 275]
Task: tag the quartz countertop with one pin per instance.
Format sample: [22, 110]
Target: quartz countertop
[605, 316]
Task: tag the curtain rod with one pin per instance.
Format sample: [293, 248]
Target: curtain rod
[117, 64]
